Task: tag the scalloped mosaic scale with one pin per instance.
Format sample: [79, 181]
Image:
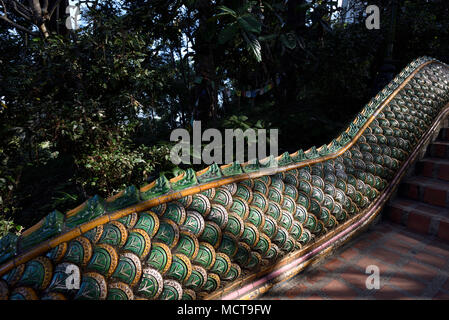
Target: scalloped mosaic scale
[201, 232]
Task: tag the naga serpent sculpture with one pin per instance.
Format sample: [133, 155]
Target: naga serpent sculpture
[233, 231]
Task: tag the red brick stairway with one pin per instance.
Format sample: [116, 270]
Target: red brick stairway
[411, 266]
[410, 245]
[422, 203]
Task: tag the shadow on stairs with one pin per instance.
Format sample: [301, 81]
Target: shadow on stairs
[409, 247]
[422, 204]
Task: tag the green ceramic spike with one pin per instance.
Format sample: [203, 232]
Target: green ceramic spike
[213, 172]
[160, 187]
[126, 198]
[353, 129]
[300, 156]
[285, 159]
[252, 167]
[8, 247]
[269, 163]
[334, 146]
[344, 138]
[234, 169]
[51, 226]
[324, 151]
[92, 208]
[312, 153]
[188, 180]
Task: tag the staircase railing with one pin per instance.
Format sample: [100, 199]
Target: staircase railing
[231, 231]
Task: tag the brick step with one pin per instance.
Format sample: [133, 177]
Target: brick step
[419, 217]
[437, 168]
[427, 190]
[438, 149]
[443, 134]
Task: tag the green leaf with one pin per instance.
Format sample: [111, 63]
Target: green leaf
[226, 11]
[254, 47]
[227, 33]
[198, 79]
[267, 37]
[288, 40]
[249, 23]
[325, 26]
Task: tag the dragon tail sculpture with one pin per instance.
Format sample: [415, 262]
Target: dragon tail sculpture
[229, 232]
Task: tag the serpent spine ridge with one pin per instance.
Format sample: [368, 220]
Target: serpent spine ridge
[203, 234]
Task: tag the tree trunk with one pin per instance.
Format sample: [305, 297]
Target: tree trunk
[388, 68]
[205, 92]
[296, 23]
[56, 24]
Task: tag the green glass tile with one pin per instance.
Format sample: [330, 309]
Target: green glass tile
[149, 222]
[235, 225]
[240, 207]
[197, 278]
[201, 204]
[228, 245]
[128, 268]
[194, 223]
[219, 215]
[222, 265]
[175, 212]
[250, 235]
[172, 290]
[234, 273]
[212, 234]
[274, 210]
[256, 216]
[180, 268]
[151, 284]
[206, 256]
[188, 244]
[223, 197]
[160, 257]
[168, 233]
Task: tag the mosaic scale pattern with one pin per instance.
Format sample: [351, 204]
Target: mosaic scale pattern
[192, 246]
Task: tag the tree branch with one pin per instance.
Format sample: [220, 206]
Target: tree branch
[35, 6]
[53, 7]
[17, 26]
[16, 10]
[45, 5]
[4, 8]
[22, 7]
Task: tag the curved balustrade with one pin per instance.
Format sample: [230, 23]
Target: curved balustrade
[231, 231]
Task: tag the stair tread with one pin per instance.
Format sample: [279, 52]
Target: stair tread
[435, 160]
[420, 207]
[430, 182]
[422, 203]
[441, 142]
